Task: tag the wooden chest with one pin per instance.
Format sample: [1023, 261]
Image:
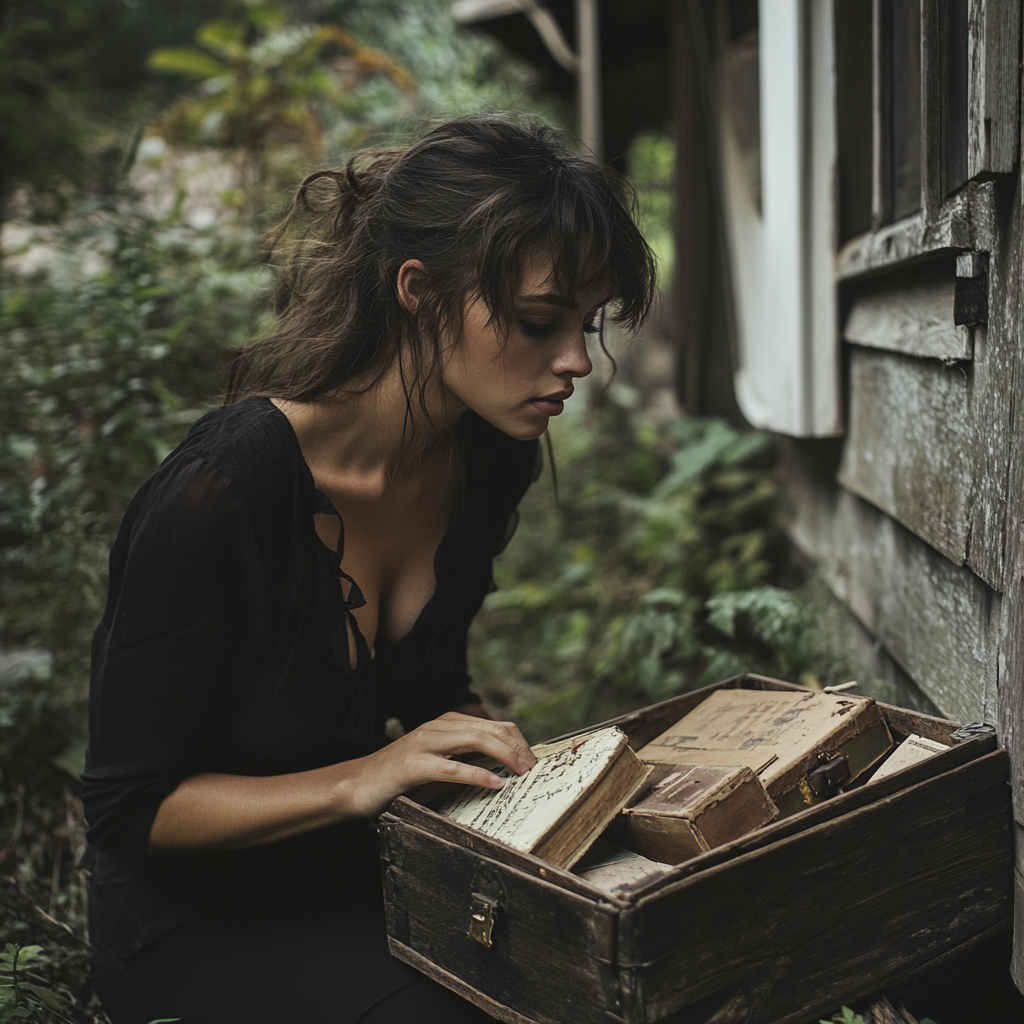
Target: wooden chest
[784, 925]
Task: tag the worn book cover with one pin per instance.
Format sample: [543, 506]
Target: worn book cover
[783, 736]
[688, 809]
[562, 804]
[616, 869]
[913, 749]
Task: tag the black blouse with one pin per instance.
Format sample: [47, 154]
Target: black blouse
[224, 648]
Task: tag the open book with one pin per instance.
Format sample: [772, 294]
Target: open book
[562, 804]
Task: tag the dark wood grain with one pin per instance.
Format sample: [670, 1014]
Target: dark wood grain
[963, 222]
[932, 862]
[953, 85]
[554, 952]
[1017, 964]
[931, 112]
[993, 114]
[404, 809]
[904, 722]
[695, 217]
[456, 984]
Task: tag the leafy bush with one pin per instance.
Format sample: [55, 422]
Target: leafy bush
[111, 349]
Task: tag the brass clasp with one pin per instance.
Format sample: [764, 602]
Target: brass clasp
[483, 912]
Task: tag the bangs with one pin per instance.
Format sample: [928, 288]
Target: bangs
[581, 214]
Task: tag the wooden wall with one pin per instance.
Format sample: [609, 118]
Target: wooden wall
[915, 516]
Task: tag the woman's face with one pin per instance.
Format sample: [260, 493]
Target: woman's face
[519, 381]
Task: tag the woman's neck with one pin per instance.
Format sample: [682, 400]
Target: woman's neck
[363, 441]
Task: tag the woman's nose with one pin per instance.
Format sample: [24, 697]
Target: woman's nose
[573, 360]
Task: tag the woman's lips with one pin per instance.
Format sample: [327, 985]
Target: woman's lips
[551, 405]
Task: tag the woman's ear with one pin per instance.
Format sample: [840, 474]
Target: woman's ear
[413, 282]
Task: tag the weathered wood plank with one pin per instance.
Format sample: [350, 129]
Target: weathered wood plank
[940, 622]
[910, 313]
[456, 984]
[931, 112]
[881, 115]
[1017, 963]
[939, 869]
[964, 223]
[909, 445]
[993, 125]
[542, 931]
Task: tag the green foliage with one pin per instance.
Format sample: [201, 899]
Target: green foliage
[457, 71]
[651, 166]
[74, 84]
[654, 572]
[268, 87]
[845, 1016]
[24, 996]
[108, 355]
[110, 350]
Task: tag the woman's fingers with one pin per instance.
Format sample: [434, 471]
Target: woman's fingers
[459, 773]
[501, 740]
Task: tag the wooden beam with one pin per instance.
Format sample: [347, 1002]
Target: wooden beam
[931, 112]
[964, 223]
[910, 313]
[881, 94]
[1017, 964]
[588, 47]
[993, 102]
[695, 218]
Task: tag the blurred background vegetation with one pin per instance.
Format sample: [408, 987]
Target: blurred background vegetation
[143, 148]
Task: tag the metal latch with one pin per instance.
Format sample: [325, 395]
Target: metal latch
[483, 912]
[828, 777]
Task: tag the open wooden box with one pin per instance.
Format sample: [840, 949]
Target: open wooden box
[779, 927]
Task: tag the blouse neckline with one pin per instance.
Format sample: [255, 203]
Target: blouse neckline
[322, 504]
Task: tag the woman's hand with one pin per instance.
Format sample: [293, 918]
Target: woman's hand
[227, 812]
[427, 755]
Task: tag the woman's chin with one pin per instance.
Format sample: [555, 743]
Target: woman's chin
[522, 428]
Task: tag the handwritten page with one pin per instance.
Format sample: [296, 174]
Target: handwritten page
[527, 807]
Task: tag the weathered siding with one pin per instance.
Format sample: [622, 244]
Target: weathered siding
[937, 620]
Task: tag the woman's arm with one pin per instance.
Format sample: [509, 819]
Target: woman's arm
[225, 812]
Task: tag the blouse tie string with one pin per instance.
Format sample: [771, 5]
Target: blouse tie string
[354, 598]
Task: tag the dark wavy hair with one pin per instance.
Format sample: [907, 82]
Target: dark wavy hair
[470, 200]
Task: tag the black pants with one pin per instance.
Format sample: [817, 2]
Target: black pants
[328, 969]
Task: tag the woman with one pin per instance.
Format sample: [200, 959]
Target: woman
[305, 566]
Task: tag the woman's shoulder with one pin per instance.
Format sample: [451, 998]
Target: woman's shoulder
[242, 456]
[250, 442]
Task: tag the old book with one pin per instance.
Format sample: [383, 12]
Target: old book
[688, 809]
[913, 749]
[616, 869]
[562, 804]
[784, 737]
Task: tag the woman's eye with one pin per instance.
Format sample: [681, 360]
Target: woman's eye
[537, 330]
